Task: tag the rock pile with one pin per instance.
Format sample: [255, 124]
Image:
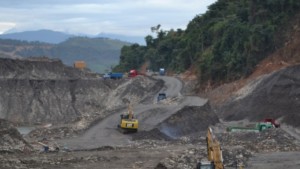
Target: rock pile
[11, 140]
[237, 148]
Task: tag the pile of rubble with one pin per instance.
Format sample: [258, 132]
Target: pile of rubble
[187, 159]
[271, 140]
[186, 121]
[237, 148]
[11, 140]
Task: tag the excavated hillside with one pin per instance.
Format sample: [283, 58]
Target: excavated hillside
[275, 95]
[272, 91]
[46, 91]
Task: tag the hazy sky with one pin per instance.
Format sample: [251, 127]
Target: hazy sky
[126, 17]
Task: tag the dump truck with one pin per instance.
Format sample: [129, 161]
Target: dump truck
[272, 121]
[258, 127]
[113, 75]
[133, 73]
[162, 71]
[161, 96]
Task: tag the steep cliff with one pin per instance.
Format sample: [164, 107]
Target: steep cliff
[49, 92]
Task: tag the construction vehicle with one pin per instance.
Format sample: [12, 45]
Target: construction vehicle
[112, 75]
[272, 121]
[260, 126]
[162, 71]
[133, 73]
[214, 153]
[161, 96]
[128, 122]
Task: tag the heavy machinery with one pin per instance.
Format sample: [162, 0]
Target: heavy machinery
[128, 123]
[273, 122]
[162, 71]
[112, 75]
[161, 96]
[214, 153]
[258, 127]
[133, 73]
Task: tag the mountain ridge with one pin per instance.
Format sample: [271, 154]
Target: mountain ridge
[98, 53]
[55, 37]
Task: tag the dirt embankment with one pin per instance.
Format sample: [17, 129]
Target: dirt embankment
[37, 69]
[46, 91]
[11, 140]
[273, 96]
[187, 121]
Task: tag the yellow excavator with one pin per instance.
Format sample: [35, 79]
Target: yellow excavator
[214, 153]
[128, 122]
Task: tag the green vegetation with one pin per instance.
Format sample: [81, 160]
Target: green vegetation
[223, 44]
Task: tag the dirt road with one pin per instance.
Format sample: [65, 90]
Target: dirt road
[149, 115]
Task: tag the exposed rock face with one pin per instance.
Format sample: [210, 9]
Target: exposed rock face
[42, 68]
[11, 140]
[275, 95]
[49, 92]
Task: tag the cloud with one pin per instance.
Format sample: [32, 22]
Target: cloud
[127, 17]
[4, 26]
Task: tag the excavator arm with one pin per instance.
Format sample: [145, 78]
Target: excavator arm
[214, 153]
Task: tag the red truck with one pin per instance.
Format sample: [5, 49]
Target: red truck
[134, 73]
[272, 121]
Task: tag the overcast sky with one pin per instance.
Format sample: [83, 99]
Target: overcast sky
[126, 17]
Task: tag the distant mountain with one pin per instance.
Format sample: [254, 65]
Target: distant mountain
[132, 39]
[47, 36]
[98, 53]
[54, 37]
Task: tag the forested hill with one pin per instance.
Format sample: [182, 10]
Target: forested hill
[99, 53]
[222, 45]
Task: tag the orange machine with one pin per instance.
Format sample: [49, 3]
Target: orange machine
[80, 64]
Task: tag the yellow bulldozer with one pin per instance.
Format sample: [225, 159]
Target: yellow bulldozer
[128, 123]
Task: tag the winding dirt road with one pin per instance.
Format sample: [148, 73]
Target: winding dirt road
[149, 115]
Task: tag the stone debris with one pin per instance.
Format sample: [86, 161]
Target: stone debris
[11, 140]
[237, 148]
